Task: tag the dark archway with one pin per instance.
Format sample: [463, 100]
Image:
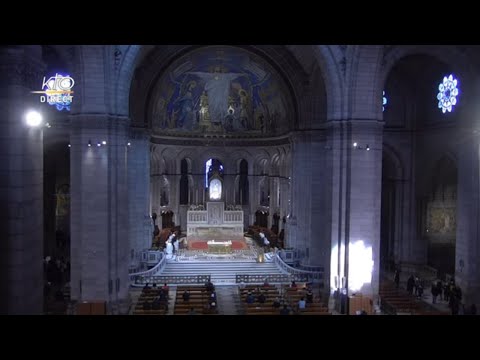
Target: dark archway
[184, 182]
[261, 218]
[388, 215]
[440, 217]
[243, 193]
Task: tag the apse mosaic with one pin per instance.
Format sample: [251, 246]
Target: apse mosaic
[221, 89]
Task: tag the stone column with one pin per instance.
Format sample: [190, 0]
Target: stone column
[355, 204]
[140, 221]
[467, 251]
[99, 210]
[308, 220]
[229, 186]
[21, 182]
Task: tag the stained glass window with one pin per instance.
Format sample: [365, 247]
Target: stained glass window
[447, 93]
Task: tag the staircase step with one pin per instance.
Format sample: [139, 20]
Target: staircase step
[221, 272]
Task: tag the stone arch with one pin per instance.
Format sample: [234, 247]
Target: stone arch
[92, 80]
[455, 57]
[275, 164]
[170, 157]
[330, 59]
[394, 157]
[152, 61]
[365, 82]
[451, 55]
[155, 162]
[125, 61]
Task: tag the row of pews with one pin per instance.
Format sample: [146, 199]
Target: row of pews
[199, 301]
[290, 297]
[146, 305]
[397, 301]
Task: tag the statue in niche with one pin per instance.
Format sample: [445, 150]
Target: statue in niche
[204, 112]
[160, 118]
[215, 189]
[229, 120]
[244, 109]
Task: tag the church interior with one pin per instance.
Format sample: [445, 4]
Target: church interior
[240, 180]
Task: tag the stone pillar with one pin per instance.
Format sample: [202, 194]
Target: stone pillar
[140, 222]
[99, 210]
[284, 200]
[307, 224]
[229, 186]
[467, 251]
[21, 183]
[355, 205]
[155, 195]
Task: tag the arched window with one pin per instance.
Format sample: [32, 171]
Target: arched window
[243, 183]
[264, 192]
[184, 182]
[214, 179]
[212, 166]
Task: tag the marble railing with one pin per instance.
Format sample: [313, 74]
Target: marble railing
[135, 277]
[200, 217]
[312, 276]
[271, 279]
[233, 217]
[197, 217]
[171, 279]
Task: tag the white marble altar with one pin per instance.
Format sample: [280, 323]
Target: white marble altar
[215, 222]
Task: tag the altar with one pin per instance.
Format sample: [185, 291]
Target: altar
[219, 247]
[215, 222]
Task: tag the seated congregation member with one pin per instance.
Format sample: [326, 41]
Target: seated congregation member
[186, 296]
[261, 298]
[276, 303]
[250, 298]
[285, 310]
[301, 304]
[156, 304]
[309, 296]
[209, 286]
[163, 295]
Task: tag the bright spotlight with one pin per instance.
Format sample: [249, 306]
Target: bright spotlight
[33, 118]
[361, 265]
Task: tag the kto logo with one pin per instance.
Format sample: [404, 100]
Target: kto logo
[58, 91]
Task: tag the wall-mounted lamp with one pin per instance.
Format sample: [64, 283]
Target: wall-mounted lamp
[89, 143]
[360, 147]
[33, 118]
